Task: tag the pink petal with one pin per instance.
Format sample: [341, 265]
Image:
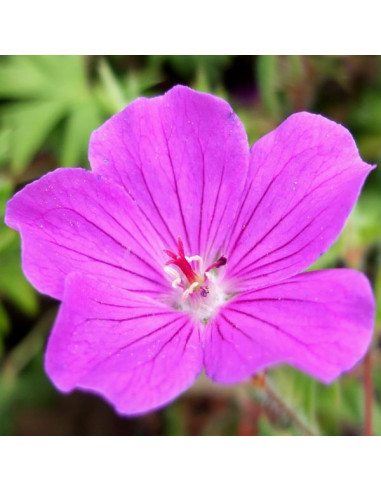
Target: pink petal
[305, 178]
[72, 220]
[320, 322]
[184, 158]
[135, 352]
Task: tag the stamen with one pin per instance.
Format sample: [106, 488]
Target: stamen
[204, 291]
[173, 273]
[176, 283]
[219, 263]
[195, 258]
[190, 290]
[195, 281]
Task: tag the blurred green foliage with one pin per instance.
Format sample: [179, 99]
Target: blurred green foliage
[49, 106]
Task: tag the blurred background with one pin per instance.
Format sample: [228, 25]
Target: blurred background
[49, 105]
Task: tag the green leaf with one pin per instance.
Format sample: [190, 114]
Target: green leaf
[4, 327]
[6, 235]
[13, 284]
[6, 190]
[113, 90]
[48, 90]
[173, 418]
[21, 77]
[362, 230]
[366, 114]
[188, 65]
[30, 390]
[30, 124]
[44, 77]
[268, 79]
[5, 139]
[81, 122]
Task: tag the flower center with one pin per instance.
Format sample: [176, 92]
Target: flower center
[199, 291]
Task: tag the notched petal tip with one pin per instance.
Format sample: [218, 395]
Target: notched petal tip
[136, 353]
[327, 129]
[311, 169]
[74, 220]
[319, 322]
[177, 155]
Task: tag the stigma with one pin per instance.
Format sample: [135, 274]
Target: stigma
[196, 286]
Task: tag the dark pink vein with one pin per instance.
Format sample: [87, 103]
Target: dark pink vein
[104, 262]
[176, 187]
[287, 214]
[140, 168]
[281, 259]
[267, 255]
[132, 318]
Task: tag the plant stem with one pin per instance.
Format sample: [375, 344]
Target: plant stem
[262, 383]
[288, 411]
[29, 346]
[368, 394]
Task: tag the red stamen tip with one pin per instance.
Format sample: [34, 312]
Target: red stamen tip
[181, 262]
[170, 254]
[180, 245]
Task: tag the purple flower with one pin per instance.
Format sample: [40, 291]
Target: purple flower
[182, 249]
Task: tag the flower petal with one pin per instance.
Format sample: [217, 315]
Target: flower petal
[306, 177]
[319, 322]
[137, 353]
[184, 157]
[72, 220]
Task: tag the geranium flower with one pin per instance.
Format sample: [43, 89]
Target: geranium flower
[182, 249]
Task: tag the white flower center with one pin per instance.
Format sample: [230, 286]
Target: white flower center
[197, 291]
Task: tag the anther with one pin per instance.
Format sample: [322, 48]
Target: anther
[219, 263]
[204, 291]
[189, 279]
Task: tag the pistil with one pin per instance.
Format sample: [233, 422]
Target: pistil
[199, 291]
[191, 281]
[182, 262]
